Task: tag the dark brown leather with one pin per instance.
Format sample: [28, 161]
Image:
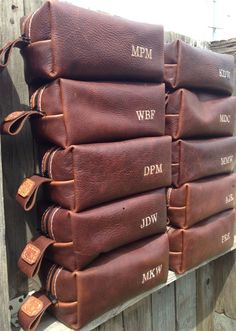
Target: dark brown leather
[76, 239]
[193, 202]
[6, 51]
[190, 247]
[71, 42]
[67, 112]
[194, 68]
[85, 176]
[111, 280]
[196, 159]
[197, 115]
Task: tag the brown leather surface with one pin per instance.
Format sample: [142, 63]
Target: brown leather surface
[199, 115]
[93, 42]
[106, 171]
[90, 112]
[193, 202]
[191, 247]
[194, 68]
[196, 159]
[110, 280]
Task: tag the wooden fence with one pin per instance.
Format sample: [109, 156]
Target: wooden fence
[203, 300]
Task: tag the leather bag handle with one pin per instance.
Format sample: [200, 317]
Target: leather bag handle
[27, 192]
[32, 255]
[33, 309]
[6, 51]
[14, 122]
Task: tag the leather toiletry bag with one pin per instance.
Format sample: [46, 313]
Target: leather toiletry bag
[78, 297]
[199, 115]
[196, 159]
[73, 240]
[195, 201]
[84, 176]
[194, 68]
[63, 40]
[67, 112]
[191, 247]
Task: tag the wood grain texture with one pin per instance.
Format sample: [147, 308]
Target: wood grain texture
[223, 323]
[185, 300]
[114, 324]
[138, 317]
[205, 297]
[163, 309]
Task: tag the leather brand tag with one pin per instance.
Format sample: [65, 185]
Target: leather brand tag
[25, 188]
[32, 307]
[30, 254]
[13, 116]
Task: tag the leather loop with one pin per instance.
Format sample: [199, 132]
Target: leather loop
[27, 192]
[15, 121]
[32, 310]
[6, 51]
[32, 255]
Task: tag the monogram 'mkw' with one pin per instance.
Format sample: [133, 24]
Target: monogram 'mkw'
[227, 159]
[142, 52]
[152, 219]
[152, 273]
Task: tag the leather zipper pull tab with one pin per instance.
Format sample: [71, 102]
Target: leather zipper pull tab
[32, 255]
[33, 309]
[14, 122]
[6, 51]
[27, 192]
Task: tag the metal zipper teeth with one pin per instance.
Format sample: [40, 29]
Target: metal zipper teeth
[50, 282]
[34, 105]
[46, 220]
[46, 161]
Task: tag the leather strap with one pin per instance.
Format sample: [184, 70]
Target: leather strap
[32, 310]
[27, 192]
[32, 255]
[6, 51]
[14, 122]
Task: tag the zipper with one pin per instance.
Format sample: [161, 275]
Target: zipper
[50, 283]
[46, 161]
[34, 100]
[46, 221]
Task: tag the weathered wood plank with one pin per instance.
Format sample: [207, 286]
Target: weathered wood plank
[138, 317]
[185, 300]
[223, 323]
[114, 324]
[205, 297]
[163, 309]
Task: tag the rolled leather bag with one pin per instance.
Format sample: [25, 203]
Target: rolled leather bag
[62, 40]
[84, 176]
[194, 68]
[79, 297]
[195, 201]
[199, 115]
[67, 112]
[193, 246]
[73, 240]
[196, 159]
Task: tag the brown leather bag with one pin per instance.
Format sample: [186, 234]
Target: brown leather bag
[79, 297]
[193, 202]
[194, 68]
[73, 240]
[67, 112]
[62, 40]
[199, 115]
[196, 159]
[84, 176]
[190, 247]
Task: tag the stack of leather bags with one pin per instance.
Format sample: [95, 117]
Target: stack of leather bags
[200, 117]
[98, 110]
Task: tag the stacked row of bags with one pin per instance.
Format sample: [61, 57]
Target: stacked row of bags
[97, 110]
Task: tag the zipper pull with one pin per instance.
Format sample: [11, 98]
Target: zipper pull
[52, 298]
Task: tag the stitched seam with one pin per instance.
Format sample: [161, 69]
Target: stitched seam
[30, 22]
[52, 219]
[50, 162]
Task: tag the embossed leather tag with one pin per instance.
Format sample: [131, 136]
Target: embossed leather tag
[32, 307]
[25, 188]
[30, 254]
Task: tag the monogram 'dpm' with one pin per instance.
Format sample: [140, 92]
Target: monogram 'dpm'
[62, 40]
[67, 112]
[76, 298]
